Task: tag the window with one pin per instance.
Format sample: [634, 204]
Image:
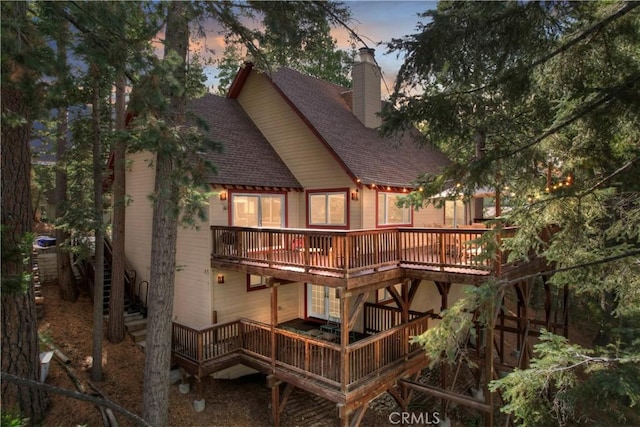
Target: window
[255, 282]
[454, 213]
[322, 302]
[389, 213]
[258, 210]
[328, 209]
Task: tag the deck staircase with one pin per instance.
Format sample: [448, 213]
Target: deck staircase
[135, 321]
[136, 326]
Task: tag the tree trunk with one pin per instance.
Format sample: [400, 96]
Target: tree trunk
[115, 332]
[20, 353]
[66, 281]
[164, 235]
[98, 282]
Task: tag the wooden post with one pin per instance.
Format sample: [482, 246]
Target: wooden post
[274, 323]
[443, 254]
[405, 317]
[344, 341]
[488, 348]
[275, 399]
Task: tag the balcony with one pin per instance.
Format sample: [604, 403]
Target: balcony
[296, 253]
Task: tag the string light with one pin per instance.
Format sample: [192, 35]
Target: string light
[567, 182]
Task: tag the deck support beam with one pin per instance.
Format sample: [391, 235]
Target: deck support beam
[453, 397]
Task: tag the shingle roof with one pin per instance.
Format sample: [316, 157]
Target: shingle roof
[247, 158]
[393, 161]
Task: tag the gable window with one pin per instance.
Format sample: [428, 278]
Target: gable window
[389, 213]
[328, 208]
[258, 210]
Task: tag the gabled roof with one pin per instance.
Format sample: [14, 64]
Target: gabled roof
[394, 161]
[247, 160]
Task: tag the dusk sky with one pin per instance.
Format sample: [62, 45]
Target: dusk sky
[380, 21]
[375, 21]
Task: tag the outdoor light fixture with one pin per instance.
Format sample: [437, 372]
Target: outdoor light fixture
[354, 195]
[223, 196]
[220, 278]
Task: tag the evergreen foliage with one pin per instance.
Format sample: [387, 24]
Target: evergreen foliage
[540, 101]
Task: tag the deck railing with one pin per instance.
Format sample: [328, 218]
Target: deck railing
[369, 356]
[380, 317]
[349, 252]
[302, 354]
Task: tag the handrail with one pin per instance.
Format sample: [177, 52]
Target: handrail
[372, 338]
[351, 251]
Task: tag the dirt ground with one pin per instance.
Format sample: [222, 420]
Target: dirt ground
[244, 402]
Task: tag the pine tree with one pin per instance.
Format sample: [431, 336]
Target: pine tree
[20, 96]
[548, 92]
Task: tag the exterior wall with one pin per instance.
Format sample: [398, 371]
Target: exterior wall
[191, 304]
[429, 298]
[139, 213]
[307, 158]
[428, 217]
[231, 299]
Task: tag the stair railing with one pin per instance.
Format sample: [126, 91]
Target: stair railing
[140, 304]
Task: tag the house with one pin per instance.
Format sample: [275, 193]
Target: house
[306, 269]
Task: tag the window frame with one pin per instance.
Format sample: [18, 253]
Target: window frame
[259, 194]
[327, 192]
[255, 287]
[385, 194]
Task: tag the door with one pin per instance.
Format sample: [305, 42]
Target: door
[322, 302]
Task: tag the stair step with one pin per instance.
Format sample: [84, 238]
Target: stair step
[132, 316]
[138, 336]
[135, 325]
[142, 344]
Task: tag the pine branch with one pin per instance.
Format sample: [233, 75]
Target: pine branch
[581, 112]
[506, 283]
[628, 7]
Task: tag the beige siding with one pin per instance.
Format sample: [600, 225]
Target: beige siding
[139, 213]
[368, 201]
[232, 301]
[307, 158]
[192, 304]
[428, 297]
[304, 154]
[218, 211]
[428, 216]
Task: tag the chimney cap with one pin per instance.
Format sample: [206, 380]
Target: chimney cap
[367, 54]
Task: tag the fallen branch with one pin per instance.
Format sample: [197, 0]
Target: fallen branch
[72, 375]
[108, 413]
[73, 394]
[56, 352]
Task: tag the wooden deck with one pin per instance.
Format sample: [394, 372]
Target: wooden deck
[335, 372]
[355, 258]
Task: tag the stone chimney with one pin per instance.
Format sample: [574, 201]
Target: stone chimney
[366, 89]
